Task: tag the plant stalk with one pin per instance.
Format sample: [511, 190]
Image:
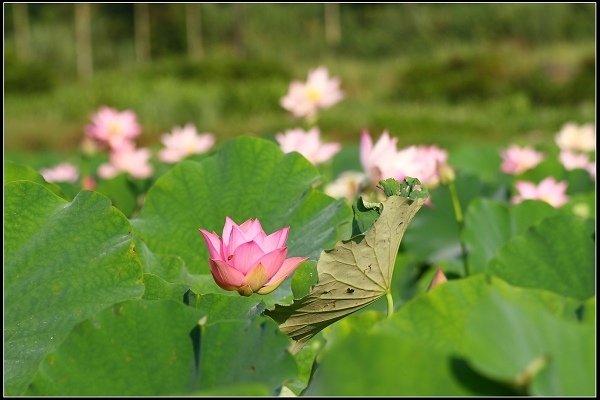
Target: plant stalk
[390, 304]
[458, 215]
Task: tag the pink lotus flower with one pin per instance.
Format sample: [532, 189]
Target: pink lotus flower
[591, 169]
[64, 172]
[133, 161]
[548, 190]
[114, 129]
[572, 160]
[184, 141]
[423, 163]
[348, 185]
[379, 161]
[247, 260]
[516, 160]
[577, 138]
[319, 91]
[384, 161]
[308, 143]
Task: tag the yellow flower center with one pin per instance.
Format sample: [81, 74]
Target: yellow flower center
[313, 94]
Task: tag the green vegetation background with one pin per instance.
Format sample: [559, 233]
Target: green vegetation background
[429, 73]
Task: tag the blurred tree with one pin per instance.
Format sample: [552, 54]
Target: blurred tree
[83, 40]
[333, 31]
[142, 32]
[21, 24]
[193, 22]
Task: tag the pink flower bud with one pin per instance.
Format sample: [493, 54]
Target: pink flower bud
[248, 260]
[438, 279]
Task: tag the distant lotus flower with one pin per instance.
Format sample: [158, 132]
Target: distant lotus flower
[381, 160]
[572, 160]
[114, 129]
[348, 185]
[64, 172]
[591, 169]
[247, 260]
[422, 162]
[88, 183]
[516, 160]
[184, 141]
[133, 161]
[573, 137]
[308, 143]
[548, 190]
[319, 91]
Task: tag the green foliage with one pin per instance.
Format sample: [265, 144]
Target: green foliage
[63, 262]
[490, 224]
[558, 254]
[439, 218]
[150, 354]
[449, 334]
[17, 172]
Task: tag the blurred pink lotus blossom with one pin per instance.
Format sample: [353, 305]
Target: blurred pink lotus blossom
[573, 137]
[422, 162]
[383, 160]
[348, 185]
[133, 161]
[114, 129]
[184, 141]
[308, 143]
[247, 260]
[379, 161]
[88, 183]
[591, 169]
[516, 160]
[320, 91]
[64, 172]
[548, 190]
[573, 160]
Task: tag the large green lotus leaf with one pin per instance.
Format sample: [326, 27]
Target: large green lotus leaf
[434, 234]
[121, 191]
[558, 254]
[239, 351]
[352, 275]
[385, 365]
[526, 345]
[438, 317]
[218, 307]
[17, 172]
[489, 224]
[63, 262]
[247, 178]
[480, 161]
[135, 348]
[243, 389]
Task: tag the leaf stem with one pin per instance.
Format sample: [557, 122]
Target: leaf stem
[458, 215]
[390, 304]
